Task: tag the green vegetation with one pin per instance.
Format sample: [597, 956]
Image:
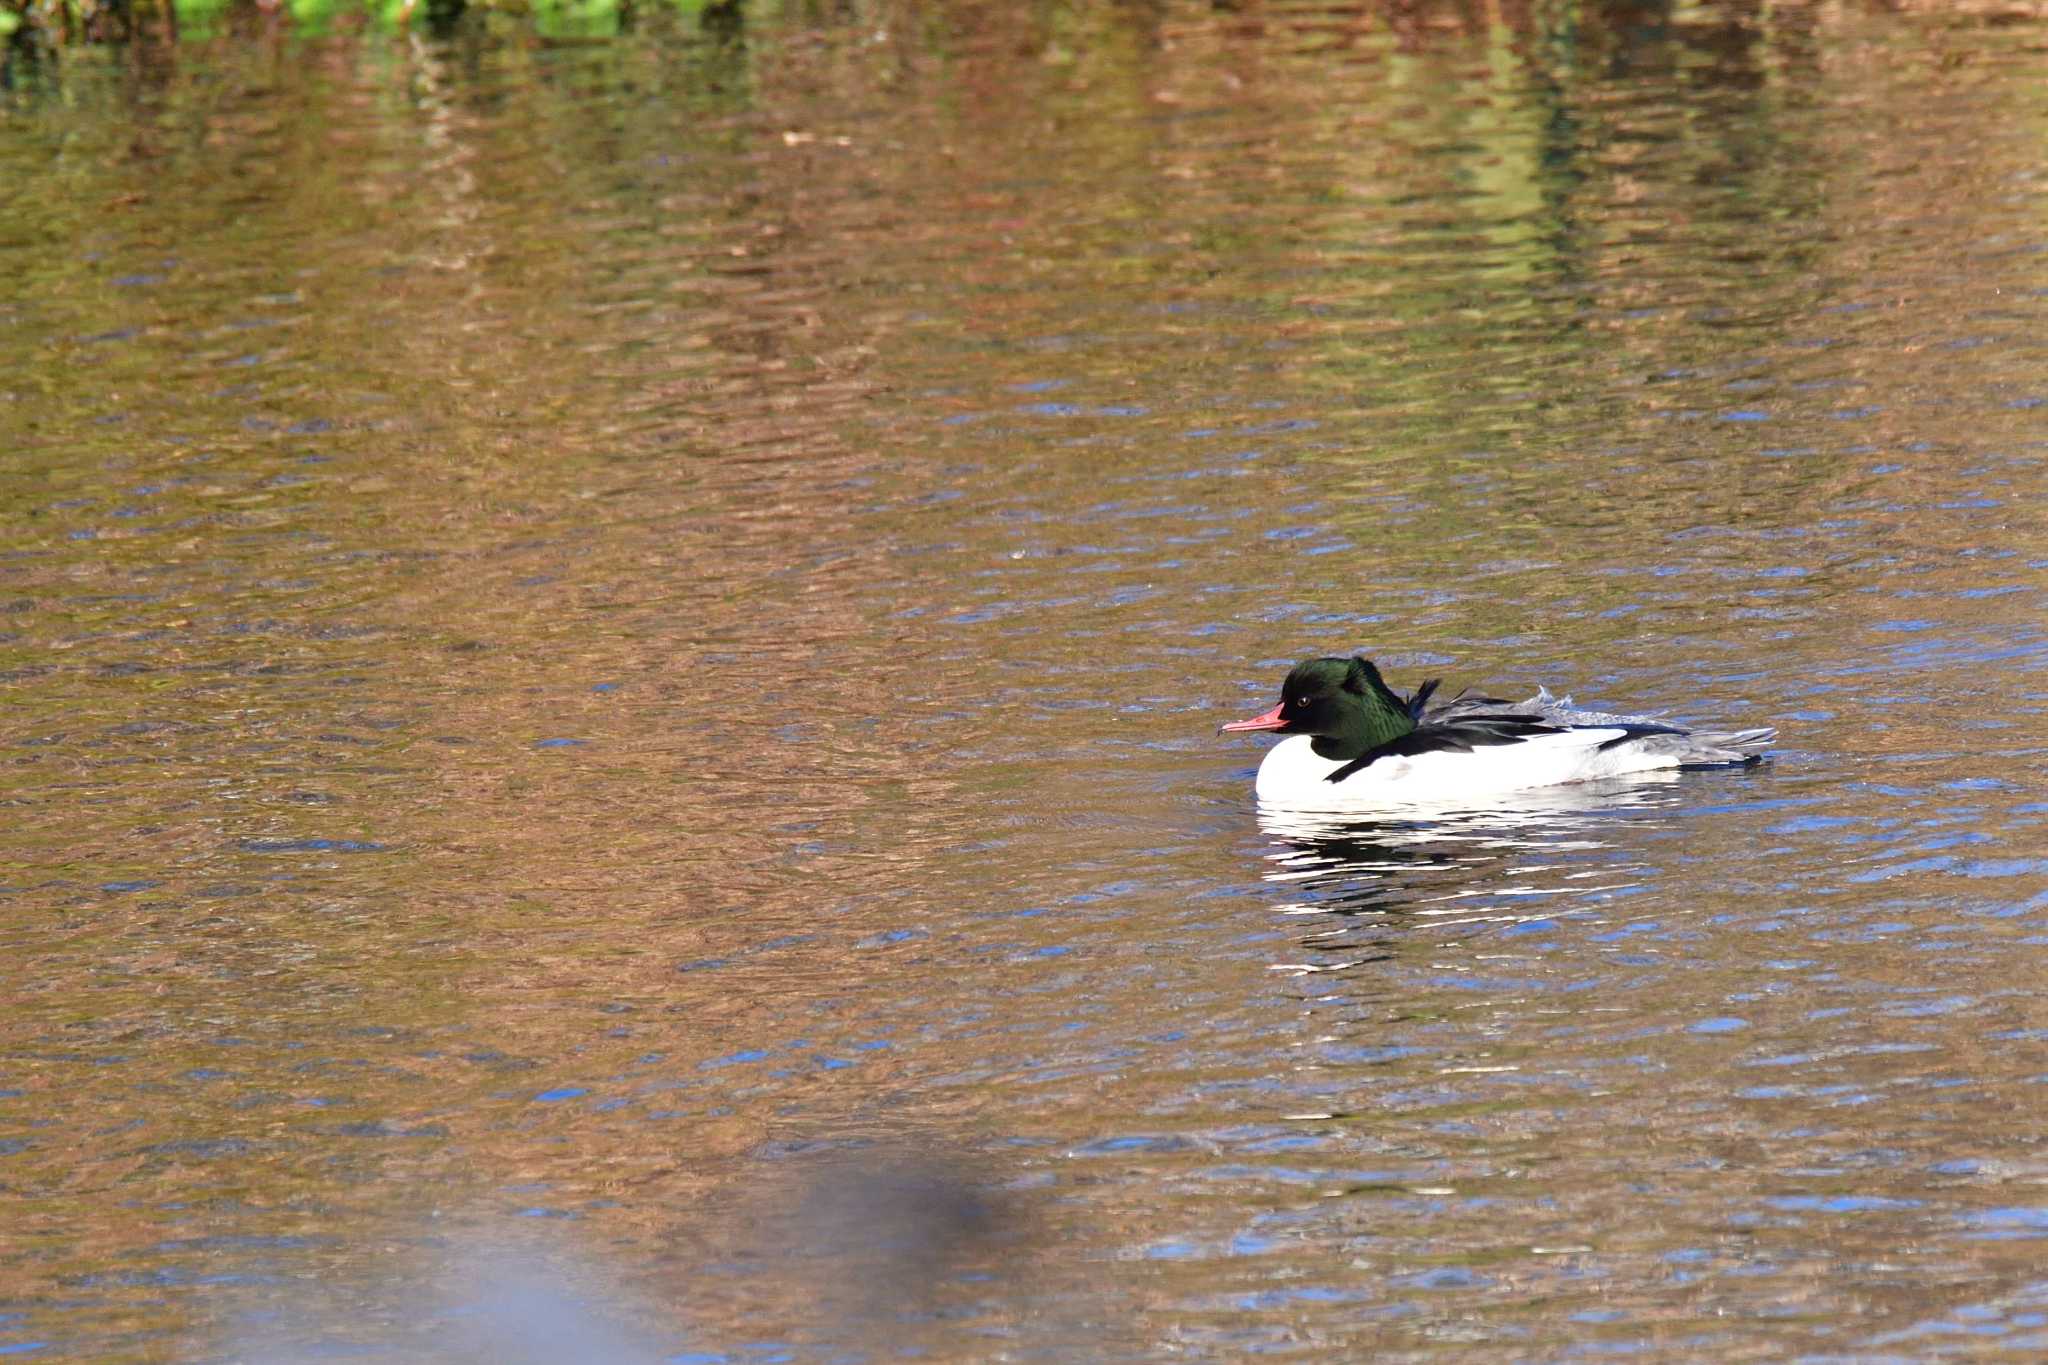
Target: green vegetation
[39, 27]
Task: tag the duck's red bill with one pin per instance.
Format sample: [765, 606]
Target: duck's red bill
[1269, 721]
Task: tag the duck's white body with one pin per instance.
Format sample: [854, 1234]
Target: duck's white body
[1293, 777]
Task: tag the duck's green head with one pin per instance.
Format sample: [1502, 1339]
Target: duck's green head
[1344, 703]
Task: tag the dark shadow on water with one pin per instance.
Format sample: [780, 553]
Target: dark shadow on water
[866, 1245]
[834, 1220]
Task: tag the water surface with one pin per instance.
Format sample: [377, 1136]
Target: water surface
[611, 651]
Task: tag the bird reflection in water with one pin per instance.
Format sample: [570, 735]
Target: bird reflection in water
[1354, 878]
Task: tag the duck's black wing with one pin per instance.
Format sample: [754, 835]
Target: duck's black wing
[1458, 726]
[1463, 723]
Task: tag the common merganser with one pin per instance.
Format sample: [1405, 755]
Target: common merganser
[1358, 743]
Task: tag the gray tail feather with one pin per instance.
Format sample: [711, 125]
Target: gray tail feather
[1715, 749]
[1711, 749]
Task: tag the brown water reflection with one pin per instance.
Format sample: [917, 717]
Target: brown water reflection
[607, 646]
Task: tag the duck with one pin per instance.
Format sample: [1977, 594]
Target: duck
[1354, 742]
